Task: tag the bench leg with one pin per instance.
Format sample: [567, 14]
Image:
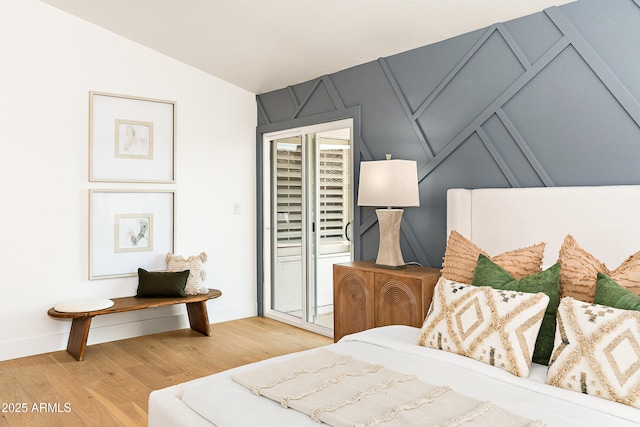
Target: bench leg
[78, 337]
[198, 317]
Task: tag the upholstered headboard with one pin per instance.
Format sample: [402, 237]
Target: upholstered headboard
[604, 220]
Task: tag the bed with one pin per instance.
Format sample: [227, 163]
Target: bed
[605, 219]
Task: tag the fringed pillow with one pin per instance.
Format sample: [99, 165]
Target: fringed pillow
[491, 274]
[579, 271]
[492, 326]
[195, 264]
[461, 257]
[597, 351]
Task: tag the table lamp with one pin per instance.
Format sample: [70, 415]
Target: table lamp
[394, 184]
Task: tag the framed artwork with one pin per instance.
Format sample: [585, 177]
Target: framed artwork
[131, 139]
[129, 230]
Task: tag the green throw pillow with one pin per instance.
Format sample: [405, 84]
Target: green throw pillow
[611, 294]
[488, 273]
[161, 283]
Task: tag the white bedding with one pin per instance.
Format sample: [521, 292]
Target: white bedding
[220, 401]
[604, 219]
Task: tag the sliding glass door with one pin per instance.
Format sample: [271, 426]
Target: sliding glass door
[308, 194]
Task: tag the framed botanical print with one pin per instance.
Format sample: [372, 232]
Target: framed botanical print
[129, 230]
[131, 139]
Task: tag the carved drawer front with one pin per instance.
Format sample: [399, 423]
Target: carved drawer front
[366, 296]
[353, 296]
[398, 301]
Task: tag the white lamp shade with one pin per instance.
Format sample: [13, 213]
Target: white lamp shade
[390, 183]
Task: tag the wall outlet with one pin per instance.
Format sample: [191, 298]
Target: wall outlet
[237, 210]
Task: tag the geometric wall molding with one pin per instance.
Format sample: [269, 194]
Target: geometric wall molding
[549, 99]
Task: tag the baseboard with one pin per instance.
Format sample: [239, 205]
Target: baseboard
[118, 326]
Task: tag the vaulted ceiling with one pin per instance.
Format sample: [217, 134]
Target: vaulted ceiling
[262, 45]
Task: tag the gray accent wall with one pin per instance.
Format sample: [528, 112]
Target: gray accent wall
[550, 99]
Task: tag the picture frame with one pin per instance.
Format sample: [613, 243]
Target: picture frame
[129, 229]
[131, 139]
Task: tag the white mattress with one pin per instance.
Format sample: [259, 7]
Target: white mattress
[217, 400]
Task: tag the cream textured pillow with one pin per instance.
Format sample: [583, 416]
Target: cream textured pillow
[197, 275]
[461, 257]
[579, 270]
[492, 326]
[597, 351]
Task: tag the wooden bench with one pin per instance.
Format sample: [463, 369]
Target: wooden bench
[196, 309]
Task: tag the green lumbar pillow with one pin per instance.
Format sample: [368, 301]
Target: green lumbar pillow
[488, 273]
[611, 294]
[161, 283]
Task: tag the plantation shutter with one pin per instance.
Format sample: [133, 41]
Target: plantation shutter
[289, 182]
[333, 194]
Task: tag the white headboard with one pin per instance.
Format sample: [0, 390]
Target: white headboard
[604, 220]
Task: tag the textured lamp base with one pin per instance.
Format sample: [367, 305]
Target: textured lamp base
[389, 253]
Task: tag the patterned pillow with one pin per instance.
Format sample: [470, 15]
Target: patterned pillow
[578, 274]
[493, 326]
[194, 264]
[597, 351]
[461, 256]
[491, 274]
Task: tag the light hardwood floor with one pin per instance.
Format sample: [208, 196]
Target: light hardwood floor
[111, 386]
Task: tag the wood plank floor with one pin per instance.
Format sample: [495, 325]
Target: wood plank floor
[111, 386]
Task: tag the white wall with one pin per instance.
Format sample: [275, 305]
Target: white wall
[50, 61]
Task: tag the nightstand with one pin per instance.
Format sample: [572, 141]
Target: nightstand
[366, 296]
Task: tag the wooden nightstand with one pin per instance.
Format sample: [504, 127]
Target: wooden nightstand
[365, 296]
